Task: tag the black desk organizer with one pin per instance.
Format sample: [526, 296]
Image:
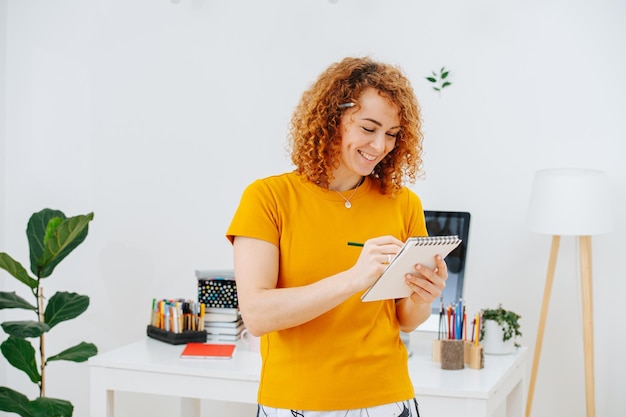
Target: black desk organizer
[172, 338]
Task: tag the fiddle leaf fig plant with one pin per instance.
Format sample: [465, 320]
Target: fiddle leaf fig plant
[51, 237]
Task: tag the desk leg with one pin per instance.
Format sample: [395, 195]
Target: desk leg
[515, 401]
[110, 403]
[102, 400]
[190, 407]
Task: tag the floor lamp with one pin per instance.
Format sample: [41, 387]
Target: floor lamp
[569, 202]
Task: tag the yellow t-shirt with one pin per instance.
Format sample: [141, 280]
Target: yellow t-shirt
[351, 356]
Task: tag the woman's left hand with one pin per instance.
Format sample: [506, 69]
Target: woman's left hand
[428, 284]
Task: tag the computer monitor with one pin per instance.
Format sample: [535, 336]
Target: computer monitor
[442, 223]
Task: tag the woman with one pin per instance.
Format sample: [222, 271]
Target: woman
[355, 138]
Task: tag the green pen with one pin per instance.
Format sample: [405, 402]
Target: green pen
[355, 244]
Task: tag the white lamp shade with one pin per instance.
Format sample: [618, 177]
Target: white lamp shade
[570, 201]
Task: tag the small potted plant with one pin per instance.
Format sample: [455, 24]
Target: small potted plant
[499, 330]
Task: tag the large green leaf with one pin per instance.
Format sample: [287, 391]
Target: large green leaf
[16, 269]
[79, 353]
[14, 402]
[50, 245]
[12, 300]
[36, 232]
[25, 328]
[51, 407]
[64, 306]
[63, 239]
[21, 354]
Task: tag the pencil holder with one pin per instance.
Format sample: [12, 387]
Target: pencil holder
[474, 356]
[452, 354]
[176, 338]
[437, 351]
[466, 351]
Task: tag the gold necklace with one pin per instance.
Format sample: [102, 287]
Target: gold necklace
[347, 203]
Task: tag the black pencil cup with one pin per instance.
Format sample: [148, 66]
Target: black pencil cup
[176, 338]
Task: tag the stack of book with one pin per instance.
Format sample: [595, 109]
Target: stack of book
[223, 324]
[217, 290]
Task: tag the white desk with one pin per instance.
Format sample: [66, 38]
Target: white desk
[154, 367]
[497, 390]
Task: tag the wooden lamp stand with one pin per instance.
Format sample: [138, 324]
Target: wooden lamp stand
[587, 305]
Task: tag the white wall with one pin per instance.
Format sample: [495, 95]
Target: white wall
[155, 115]
[3, 42]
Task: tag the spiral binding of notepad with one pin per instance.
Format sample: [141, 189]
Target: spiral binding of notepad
[435, 240]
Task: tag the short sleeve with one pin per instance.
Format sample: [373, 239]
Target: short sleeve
[257, 215]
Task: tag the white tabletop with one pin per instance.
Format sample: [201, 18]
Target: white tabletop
[151, 355]
[428, 378]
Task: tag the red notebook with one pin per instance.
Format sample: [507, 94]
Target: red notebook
[208, 351]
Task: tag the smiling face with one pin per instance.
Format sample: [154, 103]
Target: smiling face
[368, 134]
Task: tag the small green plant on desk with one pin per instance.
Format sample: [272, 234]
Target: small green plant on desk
[51, 237]
[506, 319]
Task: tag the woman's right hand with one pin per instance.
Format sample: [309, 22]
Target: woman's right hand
[376, 254]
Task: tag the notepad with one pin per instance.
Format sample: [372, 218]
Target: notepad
[416, 250]
[208, 351]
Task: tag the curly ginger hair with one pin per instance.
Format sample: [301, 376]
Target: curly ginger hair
[314, 132]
